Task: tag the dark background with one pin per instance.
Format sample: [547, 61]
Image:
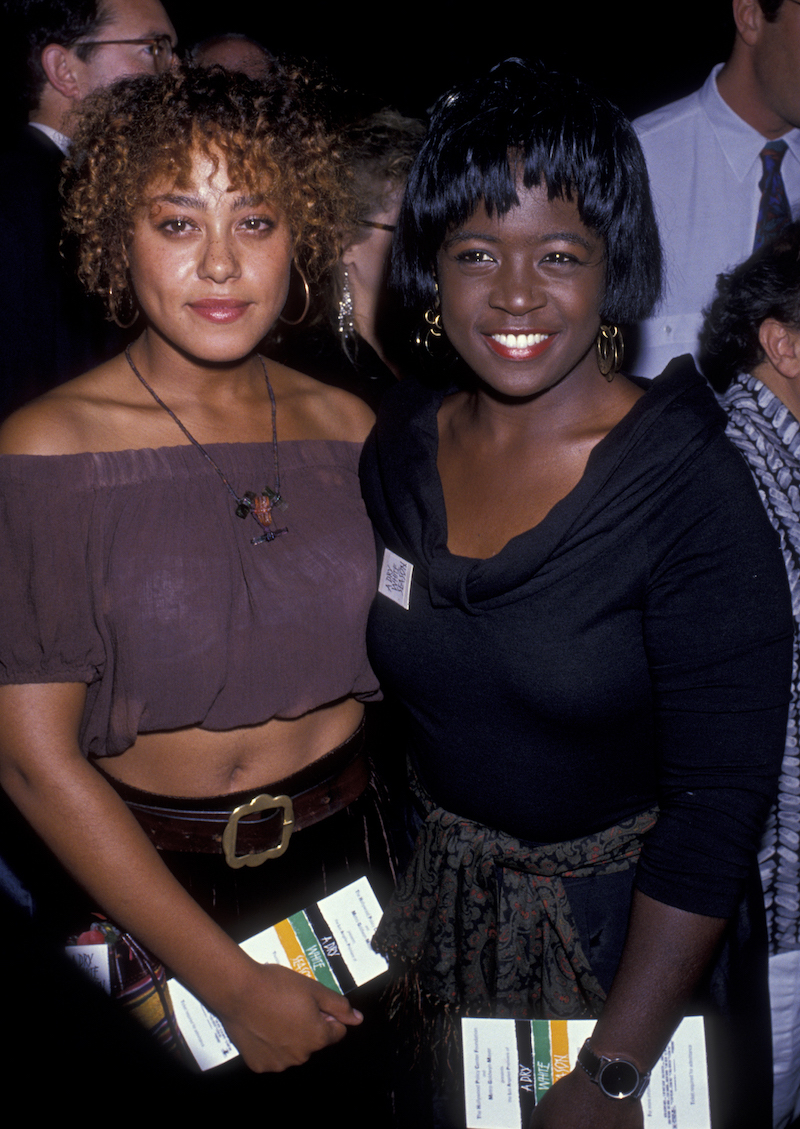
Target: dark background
[640, 55]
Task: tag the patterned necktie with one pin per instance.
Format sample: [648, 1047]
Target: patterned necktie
[773, 211]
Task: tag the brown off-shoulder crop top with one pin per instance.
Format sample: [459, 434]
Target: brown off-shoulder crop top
[130, 571]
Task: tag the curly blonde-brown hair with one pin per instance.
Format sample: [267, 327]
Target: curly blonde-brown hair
[271, 135]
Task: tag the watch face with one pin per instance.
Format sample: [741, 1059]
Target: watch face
[618, 1079]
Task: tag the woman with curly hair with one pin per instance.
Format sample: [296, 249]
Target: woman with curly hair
[188, 634]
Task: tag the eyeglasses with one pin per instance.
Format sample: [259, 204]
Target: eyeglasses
[160, 46]
[391, 226]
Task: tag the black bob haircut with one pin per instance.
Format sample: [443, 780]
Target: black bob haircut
[767, 285]
[556, 131]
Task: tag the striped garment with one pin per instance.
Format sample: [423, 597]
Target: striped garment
[768, 436]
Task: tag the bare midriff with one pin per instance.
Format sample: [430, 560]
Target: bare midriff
[203, 762]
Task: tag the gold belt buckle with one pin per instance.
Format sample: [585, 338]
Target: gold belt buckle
[259, 803]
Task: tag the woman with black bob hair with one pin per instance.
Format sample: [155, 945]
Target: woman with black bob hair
[584, 150]
[594, 725]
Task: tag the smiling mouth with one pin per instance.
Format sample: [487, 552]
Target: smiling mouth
[519, 340]
[519, 346]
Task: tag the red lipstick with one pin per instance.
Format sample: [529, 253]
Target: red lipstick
[519, 346]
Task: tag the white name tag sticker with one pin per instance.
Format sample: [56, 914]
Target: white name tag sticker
[395, 579]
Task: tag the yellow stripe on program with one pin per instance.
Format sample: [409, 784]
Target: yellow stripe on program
[559, 1044]
[293, 949]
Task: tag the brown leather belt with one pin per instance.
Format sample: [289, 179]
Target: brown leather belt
[253, 826]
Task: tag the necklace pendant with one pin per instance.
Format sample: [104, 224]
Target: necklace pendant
[260, 506]
[267, 535]
[245, 506]
[275, 498]
[261, 509]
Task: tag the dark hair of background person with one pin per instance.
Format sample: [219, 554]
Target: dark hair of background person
[222, 38]
[522, 121]
[235, 51]
[32, 24]
[381, 148]
[378, 151]
[767, 285]
[362, 344]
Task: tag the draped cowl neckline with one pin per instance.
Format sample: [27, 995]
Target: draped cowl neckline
[624, 474]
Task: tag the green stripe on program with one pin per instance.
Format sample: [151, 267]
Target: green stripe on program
[314, 952]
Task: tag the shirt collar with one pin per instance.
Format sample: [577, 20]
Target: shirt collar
[740, 143]
[57, 138]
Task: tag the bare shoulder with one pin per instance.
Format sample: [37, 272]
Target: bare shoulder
[310, 409]
[71, 419]
[46, 426]
[347, 415]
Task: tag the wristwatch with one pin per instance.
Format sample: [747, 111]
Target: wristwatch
[616, 1077]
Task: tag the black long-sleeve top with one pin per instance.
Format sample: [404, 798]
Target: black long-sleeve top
[633, 648]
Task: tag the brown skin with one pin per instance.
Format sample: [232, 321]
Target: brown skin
[665, 954]
[485, 445]
[276, 1017]
[108, 409]
[204, 243]
[519, 443]
[509, 450]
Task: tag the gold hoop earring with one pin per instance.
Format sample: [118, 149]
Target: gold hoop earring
[610, 350]
[426, 337]
[307, 303]
[114, 304]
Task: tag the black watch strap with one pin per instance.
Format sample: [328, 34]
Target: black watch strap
[617, 1077]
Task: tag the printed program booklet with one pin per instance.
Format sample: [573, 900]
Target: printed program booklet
[508, 1065]
[329, 941]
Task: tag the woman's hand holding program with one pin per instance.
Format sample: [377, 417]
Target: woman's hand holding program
[278, 1018]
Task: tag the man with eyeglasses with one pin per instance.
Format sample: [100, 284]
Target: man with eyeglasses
[70, 48]
[724, 166]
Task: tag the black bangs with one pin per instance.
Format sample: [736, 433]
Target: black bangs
[553, 130]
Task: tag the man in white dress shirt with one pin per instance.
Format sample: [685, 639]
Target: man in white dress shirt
[703, 156]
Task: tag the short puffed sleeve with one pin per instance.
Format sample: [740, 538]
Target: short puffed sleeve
[48, 624]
